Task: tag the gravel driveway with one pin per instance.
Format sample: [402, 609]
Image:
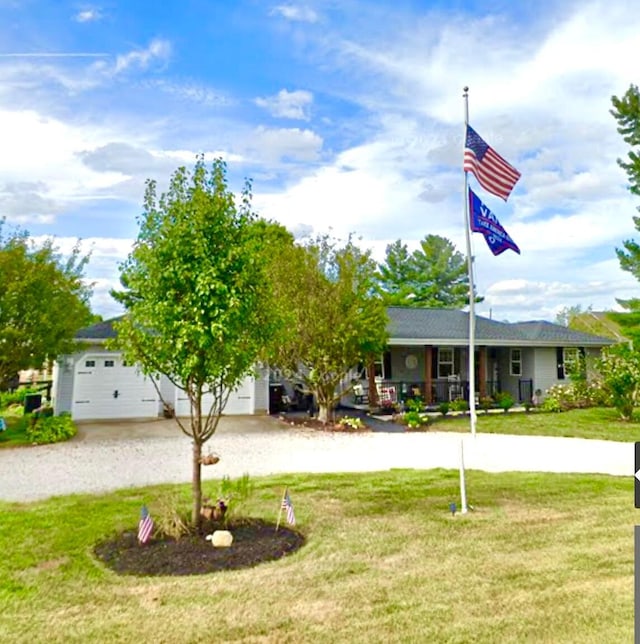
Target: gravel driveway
[119, 455]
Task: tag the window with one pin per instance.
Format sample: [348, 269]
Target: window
[516, 362]
[445, 363]
[109, 363]
[571, 360]
[382, 366]
[89, 363]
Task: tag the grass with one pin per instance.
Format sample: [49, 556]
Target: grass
[15, 435]
[543, 558]
[598, 422]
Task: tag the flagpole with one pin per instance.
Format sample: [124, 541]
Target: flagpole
[472, 296]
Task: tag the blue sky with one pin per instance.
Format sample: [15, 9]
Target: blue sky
[348, 116]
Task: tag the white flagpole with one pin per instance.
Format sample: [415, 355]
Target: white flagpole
[472, 310]
[463, 486]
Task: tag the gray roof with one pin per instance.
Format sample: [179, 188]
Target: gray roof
[438, 326]
[100, 331]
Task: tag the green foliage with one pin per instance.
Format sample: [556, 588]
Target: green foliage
[234, 493]
[443, 408]
[551, 404]
[333, 322]
[350, 422]
[414, 404]
[43, 302]
[170, 518]
[414, 419]
[8, 398]
[435, 275]
[576, 395]
[626, 111]
[51, 429]
[459, 404]
[486, 403]
[619, 368]
[196, 295]
[504, 400]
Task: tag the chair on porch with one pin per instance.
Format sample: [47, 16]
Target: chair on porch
[455, 388]
[360, 396]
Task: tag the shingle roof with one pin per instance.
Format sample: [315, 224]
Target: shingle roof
[429, 326]
[100, 331]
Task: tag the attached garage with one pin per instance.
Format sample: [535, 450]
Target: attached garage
[241, 401]
[106, 387]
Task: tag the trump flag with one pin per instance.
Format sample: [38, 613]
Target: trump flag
[483, 221]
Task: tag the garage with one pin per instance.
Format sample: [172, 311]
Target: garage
[106, 387]
[241, 400]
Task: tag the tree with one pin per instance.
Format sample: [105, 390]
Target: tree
[435, 275]
[626, 111]
[43, 302]
[334, 321]
[194, 297]
[619, 368]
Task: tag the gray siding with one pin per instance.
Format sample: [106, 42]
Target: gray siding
[261, 393]
[546, 369]
[63, 383]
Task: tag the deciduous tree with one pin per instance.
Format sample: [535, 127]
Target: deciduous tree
[194, 295]
[44, 300]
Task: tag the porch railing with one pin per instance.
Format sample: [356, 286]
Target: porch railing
[442, 390]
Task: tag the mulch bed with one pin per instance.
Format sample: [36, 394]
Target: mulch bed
[254, 541]
[314, 423]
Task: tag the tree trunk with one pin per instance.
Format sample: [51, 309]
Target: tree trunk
[196, 484]
[371, 378]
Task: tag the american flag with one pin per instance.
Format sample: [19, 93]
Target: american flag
[145, 526]
[288, 507]
[493, 173]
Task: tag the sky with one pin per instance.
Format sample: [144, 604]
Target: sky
[348, 117]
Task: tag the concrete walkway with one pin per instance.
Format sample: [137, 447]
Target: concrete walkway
[109, 456]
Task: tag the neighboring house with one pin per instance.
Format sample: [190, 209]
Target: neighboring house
[96, 384]
[428, 355]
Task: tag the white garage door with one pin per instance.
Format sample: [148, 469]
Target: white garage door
[241, 401]
[104, 387]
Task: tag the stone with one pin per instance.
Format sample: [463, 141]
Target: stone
[221, 539]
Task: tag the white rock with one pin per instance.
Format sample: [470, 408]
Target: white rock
[221, 539]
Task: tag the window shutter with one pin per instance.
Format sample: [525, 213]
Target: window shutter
[387, 365]
[560, 362]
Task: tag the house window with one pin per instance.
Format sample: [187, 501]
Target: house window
[516, 362]
[571, 360]
[109, 363]
[89, 363]
[382, 366]
[445, 363]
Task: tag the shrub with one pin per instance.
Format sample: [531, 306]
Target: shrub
[51, 429]
[620, 371]
[459, 404]
[169, 519]
[504, 400]
[551, 404]
[413, 419]
[414, 404]
[443, 408]
[8, 398]
[349, 422]
[233, 494]
[486, 403]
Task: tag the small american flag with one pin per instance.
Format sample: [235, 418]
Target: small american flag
[493, 173]
[288, 507]
[145, 526]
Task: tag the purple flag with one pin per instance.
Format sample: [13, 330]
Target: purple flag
[484, 221]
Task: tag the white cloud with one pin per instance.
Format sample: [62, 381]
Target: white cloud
[295, 13]
[88, 15]
[157, 50]
[271, 145]
[291, 105]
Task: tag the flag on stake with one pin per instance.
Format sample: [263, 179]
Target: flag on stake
[145, 526]
[482, 220]
[287, 506]
[493, 173]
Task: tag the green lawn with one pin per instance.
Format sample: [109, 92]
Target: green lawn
[14, 435]
[598, 422]
[543, 558]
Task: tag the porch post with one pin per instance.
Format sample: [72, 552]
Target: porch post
[482, 366]
[428, 370]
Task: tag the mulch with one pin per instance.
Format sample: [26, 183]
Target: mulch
[254, 541]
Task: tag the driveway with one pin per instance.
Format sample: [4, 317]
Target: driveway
[109, 456]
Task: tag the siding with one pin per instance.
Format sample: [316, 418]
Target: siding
[546, 369]
[261, 393]
[62, 391]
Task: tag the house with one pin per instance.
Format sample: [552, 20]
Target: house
[428, 356]
[96, 383]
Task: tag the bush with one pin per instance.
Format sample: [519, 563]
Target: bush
[50, 429]
[505, 401]
[414, 404]
[8, 398]
[486, 403]
[349, 422]
[443, 408]
[551, 404]
[414, 419]
[459, 404]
